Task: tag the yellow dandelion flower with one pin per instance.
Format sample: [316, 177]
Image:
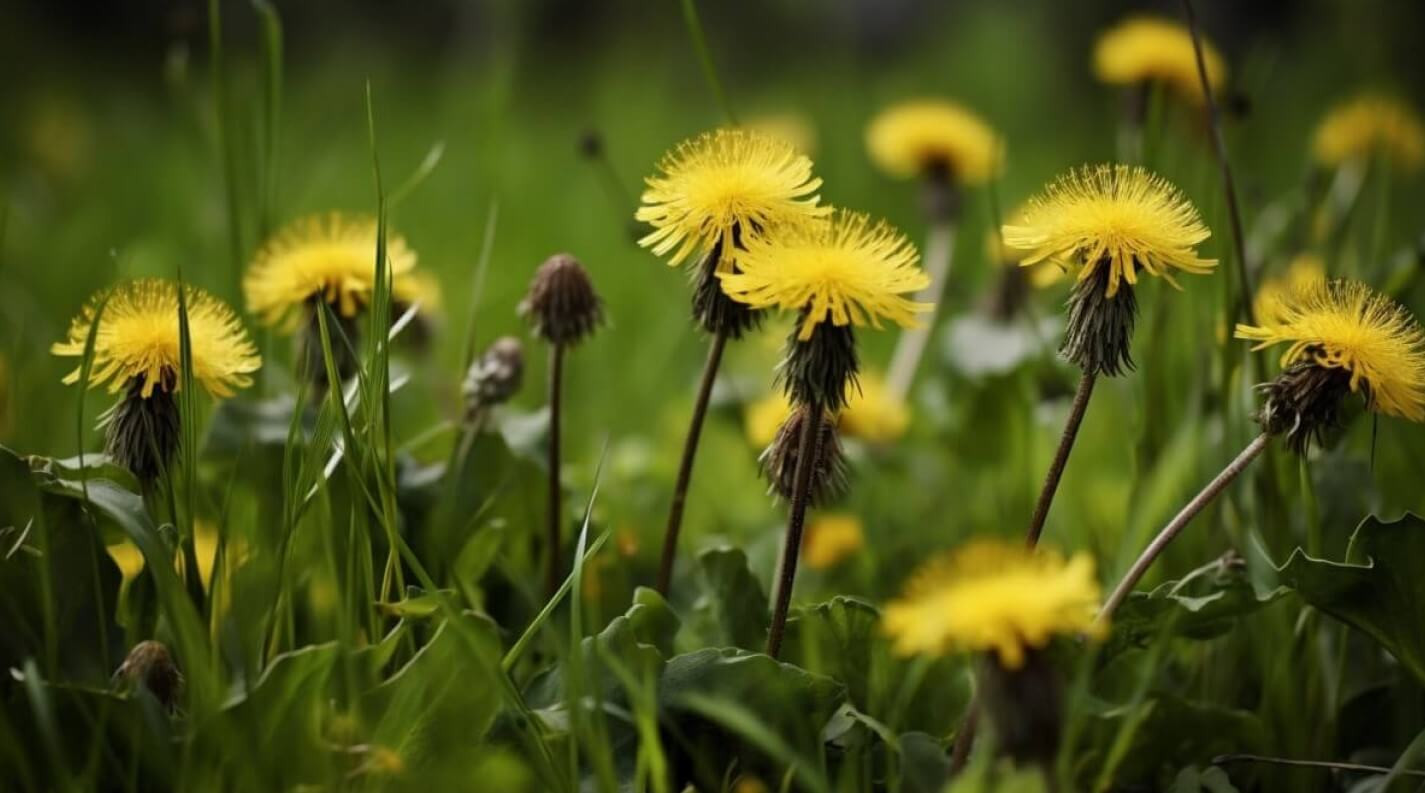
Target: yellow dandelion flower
[1303, 270]
[1356, 129]
[1148, 50]
[1041, 276]
[128, 558]
[848, 271]
[761, 419]
[1117, 216]
[138, 338]
[330, 257]
[873, 413]
[831, 539]
[1345, 325]
[994, 595]
[922, 136]
[726, 187]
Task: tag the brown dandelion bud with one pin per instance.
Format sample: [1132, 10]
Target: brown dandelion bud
[494, 377]
[779, 460]
[1304, 402]
[1025, 706]
[1100, 328]
[150, 666]
[561, 304]
[141, 433]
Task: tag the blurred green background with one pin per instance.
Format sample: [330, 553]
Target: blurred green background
[112, 168]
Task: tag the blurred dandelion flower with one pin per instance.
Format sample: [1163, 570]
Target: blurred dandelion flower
[994, 596]
[928, 136]
[872, 413]
[1147, 50]
[137, 343]
[330, 257]
[831, 539]
[791, 127]
[1342, 338]
[1358, 128]
[723, 188]
[416, 288]
[1302, 271]
[762, 418]
[849, 271]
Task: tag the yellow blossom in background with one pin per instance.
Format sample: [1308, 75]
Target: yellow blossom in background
[832, 538]
[793, 128]
[417, 287]
[1303, 270]
[1345, 325]
[917, 137]
[872, 413]
[848, 271]
[138, 337]
[1143, 50]
[129, 559]
[726, 187]
[1356, 129]
[330, 257]
[60, 137]
[1041, 276]
[993, 595]
[1116, 216]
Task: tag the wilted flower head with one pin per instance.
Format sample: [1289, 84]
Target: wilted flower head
[779, 460]
[994, 596]
[723, 188]
[1342, 338]
[561, 304]
[150, 666]
[1145, 50]
[1357, 129]
[934, 137]
[329, 257]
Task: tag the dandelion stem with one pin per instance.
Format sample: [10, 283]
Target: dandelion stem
[1176, 525]
[1214, 118]
[792, 545]
[965, 738]
[939, 245]
[1061, 457]
[1226, 759]
[685, 468]
[552, 538]
[700, 43]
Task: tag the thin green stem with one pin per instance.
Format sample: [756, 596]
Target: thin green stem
[1061, 458]
[552, 574]
[685, 467]
[700, 43]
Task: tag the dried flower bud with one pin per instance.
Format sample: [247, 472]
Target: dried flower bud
[562, 304]
[141, 434]
[494, 377]
[1025, 706]
[1304, 402]
[1100, 328]
[779, 460]
[822, 369]
[150, 665]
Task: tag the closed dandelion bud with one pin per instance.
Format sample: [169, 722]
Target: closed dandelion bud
[494, 377]
[1344, 339]
[561, 304]
[780, 459]
[150, 666]
[1025, 706]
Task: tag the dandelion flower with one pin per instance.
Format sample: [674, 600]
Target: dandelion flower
[137, 343]
[849, 271]
[1358, 128]
[1301, 272]
[329, 257]
[417, 288]
[994, 596]
[931, 136]
[1118, 217]
[831, 539]
[873, 413]
[791, 127]
[1341, 336]
[1145, 50]
[723, 188]
[763, 417]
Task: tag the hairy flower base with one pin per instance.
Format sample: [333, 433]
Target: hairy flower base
[343, 334]
[779, 461]
[141, 433]
[1100, 328]
[820, 370]
[713, 310]
[1304, 403]
[1025, 706]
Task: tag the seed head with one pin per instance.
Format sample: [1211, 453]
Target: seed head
[561, 304]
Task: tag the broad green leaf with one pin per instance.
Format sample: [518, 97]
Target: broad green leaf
[1377, 589]
[731, 610]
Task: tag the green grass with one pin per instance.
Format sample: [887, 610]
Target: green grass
[381, 625]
